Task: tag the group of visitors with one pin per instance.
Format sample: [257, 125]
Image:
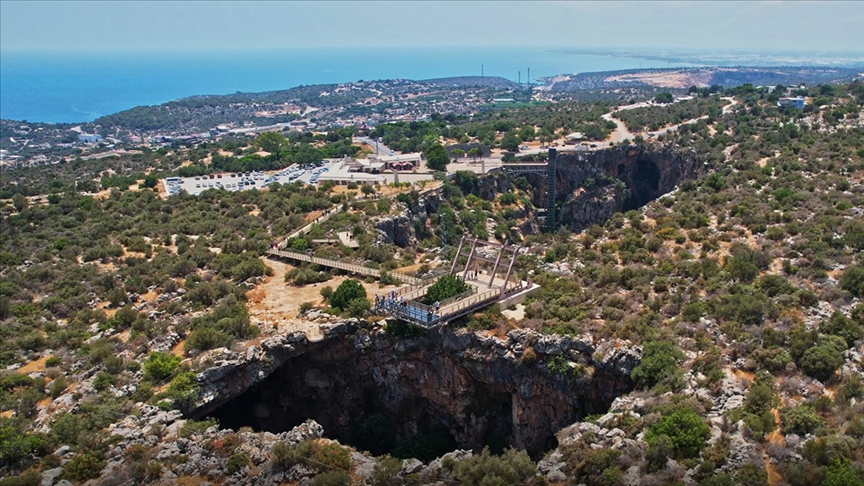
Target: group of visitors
[390, 302]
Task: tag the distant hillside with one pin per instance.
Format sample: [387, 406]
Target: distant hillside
[474, 81]
[682, 78]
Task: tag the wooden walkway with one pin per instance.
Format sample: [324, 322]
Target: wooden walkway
[348, 267]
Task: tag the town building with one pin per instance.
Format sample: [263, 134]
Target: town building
[89, 138]
[797, 102]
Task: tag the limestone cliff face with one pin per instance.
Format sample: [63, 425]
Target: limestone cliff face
[476, 388]
[587, 187]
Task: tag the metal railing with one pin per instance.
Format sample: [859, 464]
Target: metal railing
[348, 267]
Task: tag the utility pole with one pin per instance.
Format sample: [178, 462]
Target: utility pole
[529, 78]
[481, 71]
[520, 80]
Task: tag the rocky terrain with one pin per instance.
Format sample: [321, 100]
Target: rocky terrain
[699, 321]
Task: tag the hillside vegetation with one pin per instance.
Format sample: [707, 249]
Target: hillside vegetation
[744, 290]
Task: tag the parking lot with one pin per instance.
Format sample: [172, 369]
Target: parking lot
[239, 181]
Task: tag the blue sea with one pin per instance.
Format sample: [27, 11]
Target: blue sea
[79, 87]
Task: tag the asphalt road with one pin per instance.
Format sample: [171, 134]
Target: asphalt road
[382, 149]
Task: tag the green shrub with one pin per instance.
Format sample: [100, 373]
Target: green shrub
[659, 362]
[445, 287]
[800, 420]
[685, 429]
[332, 478]
[205, 338]
[237, 462]
[29, 477]
[842, 326]
[823, 360]
[17, 445]
[315, 455]
[347, 291]
[386, 472]
[512, 467]
[83, 467]
[852, 280]
[160, 366]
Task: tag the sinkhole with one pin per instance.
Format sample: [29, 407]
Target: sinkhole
[416, 398]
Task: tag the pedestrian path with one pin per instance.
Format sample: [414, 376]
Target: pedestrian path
[348, 267]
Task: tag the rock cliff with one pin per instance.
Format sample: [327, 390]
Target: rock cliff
[473, 387]
[589, 191]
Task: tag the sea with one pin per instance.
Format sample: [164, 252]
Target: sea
[74, 87]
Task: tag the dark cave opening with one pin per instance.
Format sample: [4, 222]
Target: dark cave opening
[360, 404]
[643, 183]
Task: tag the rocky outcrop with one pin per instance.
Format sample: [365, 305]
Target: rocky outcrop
[474, 387]
[589, 191]
[395, 230]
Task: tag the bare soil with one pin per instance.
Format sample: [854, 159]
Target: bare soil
[274, 305]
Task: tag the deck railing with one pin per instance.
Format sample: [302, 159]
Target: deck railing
[348, 267]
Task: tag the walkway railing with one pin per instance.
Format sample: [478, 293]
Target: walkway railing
[348, 267]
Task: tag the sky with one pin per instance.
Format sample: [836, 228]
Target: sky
[766, 26]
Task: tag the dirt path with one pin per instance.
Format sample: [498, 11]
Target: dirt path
[274, 305]
[621, 132]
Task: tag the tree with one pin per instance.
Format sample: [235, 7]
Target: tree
[19, 202]
[509, 142]
[271, 142]
[663, 98]
[367, 189]
[436, 158]
[346, 292]
[456, 153]
[474, 152]
[445, 287]
[842, 474]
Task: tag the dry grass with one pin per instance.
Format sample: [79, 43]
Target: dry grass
[34, 366]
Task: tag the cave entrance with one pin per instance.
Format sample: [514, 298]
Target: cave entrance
[643, 183]
[361, 402]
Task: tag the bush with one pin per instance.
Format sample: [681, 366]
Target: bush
[842, 326]
[316, 456]
[822, 360]
[346, 292]
[305, 276]
[29, 477]
[800, 420]
[83, 467]
[512, 467]
[332, 478]
[386, 472]
[183, 389]
[205, 338]
[685, 429]
[659, 362]
[160, 366]
[852, 280]
[236, 462]
[445, 287]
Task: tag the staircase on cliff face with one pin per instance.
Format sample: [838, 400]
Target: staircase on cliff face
[548, 171]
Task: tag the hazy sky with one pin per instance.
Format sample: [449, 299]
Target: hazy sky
[750, 25]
